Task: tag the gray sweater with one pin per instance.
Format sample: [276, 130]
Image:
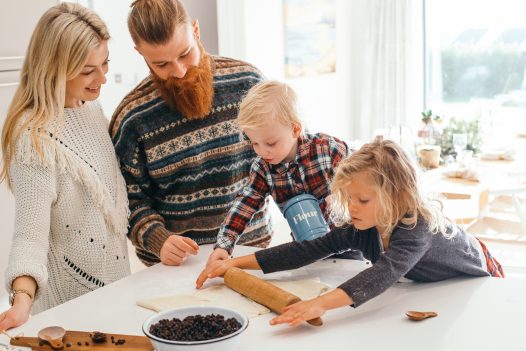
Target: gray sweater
[415, 253]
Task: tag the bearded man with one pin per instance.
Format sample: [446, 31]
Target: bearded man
[177, 139]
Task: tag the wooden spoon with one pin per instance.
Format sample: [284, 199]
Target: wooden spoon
[418, 316]
[53, 336]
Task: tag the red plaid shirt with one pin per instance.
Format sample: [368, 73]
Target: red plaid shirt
[310, 172]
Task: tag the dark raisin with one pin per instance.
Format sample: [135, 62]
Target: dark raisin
[195, 328]
[98, 337]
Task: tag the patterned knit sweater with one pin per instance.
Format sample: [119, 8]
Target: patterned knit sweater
[71, 209]
[183, 175]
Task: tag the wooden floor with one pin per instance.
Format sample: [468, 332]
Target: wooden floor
[511, 255]
[502, 231]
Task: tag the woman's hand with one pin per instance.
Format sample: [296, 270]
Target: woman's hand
[213, 270]
[300, 312]
[18, 314]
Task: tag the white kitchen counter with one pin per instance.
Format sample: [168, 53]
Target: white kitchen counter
[473, 313]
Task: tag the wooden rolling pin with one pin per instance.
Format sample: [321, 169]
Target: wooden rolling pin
[262, 292]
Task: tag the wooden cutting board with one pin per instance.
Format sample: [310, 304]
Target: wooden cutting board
[73, 338]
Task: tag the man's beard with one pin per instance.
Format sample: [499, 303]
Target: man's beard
[193, 94]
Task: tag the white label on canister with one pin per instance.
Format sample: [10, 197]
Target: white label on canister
[303, 216]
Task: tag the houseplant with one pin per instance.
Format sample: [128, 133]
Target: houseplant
[430, 132]
[456, 126]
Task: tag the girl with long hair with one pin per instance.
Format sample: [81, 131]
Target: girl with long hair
[381, 211]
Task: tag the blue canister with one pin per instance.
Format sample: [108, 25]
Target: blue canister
[305, 218]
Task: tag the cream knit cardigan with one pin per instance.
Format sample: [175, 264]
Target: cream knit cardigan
[71, 209]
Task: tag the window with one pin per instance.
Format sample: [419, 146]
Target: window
[475, 63]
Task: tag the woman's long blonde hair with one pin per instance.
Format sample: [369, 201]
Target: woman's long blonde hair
[395, 178]
[57, 51]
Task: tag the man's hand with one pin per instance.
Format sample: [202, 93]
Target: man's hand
[176, 249]
[217, 254]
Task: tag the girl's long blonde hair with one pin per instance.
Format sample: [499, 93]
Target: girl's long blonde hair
[57, 51]
[399, 196]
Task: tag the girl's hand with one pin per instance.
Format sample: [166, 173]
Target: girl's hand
[310, 309]
[300, 312]
[17, 315]
[213, 270]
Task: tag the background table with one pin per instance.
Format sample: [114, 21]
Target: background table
[473, 313]
[465, 200]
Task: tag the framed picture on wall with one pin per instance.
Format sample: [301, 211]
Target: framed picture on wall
[310, 37]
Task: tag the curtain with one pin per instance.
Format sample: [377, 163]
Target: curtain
[387, 68]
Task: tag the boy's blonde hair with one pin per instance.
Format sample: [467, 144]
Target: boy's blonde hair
[399, 197]
[57, 51]
[269, 102]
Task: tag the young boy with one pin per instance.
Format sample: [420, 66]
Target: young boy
[290, 161]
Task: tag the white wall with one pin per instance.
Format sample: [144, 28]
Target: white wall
[126, 67]
[326, 99]
[205, 11]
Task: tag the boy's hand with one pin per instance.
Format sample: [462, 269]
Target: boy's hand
[214, 269]
[300, 312]
[217, 254]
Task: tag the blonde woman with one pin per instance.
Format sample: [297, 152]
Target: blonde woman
[382, 213]
[59, 162]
